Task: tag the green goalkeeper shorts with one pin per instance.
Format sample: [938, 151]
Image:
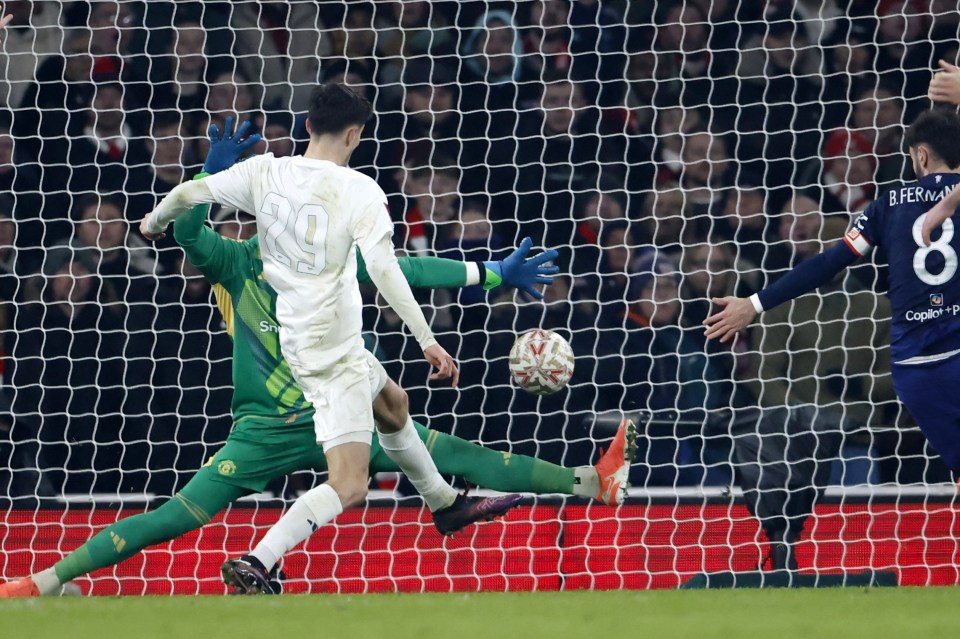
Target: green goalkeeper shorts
[260, 450]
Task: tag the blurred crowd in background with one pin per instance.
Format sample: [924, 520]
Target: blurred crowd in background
[672, 151]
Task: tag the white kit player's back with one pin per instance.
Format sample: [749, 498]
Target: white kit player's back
[309, 213]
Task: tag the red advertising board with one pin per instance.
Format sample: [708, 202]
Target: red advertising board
[542, 547]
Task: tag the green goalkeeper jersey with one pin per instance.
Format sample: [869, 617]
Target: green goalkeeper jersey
[263, 383]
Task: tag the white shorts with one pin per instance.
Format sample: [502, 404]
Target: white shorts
[342, 398]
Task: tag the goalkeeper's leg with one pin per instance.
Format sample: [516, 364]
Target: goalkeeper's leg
[188, 510]
[507, 472]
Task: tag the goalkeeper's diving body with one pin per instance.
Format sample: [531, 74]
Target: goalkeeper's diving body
[924, 286]
[273, 433]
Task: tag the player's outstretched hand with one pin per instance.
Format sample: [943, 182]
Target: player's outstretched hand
[147, 233]
[945, 85]
[443, 362]
[736, 315]
[5, 20]
[522, 272]
[225, 150]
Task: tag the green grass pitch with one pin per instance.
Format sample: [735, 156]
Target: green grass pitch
[777, 614]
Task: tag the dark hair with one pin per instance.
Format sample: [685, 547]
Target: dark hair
[334, 107]
[165, 118]
[84, 202]
[939, 129]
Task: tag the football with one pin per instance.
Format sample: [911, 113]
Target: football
[541, 362]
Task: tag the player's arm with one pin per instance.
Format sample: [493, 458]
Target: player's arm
[213, 255]
[940, 213]
[517, 270]
[230, 186]
[738, 312]
[944, 87]
[372, 230]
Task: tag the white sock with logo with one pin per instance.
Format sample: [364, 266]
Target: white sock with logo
[407, 450]
[312, 509]
[586, 482]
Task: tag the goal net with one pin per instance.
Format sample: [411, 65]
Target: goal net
[671, 152]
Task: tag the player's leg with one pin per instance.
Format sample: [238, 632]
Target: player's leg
[348, 472]
[402, 443]
[188, 510]
[508, 472]
[343, 423]
[937, 413]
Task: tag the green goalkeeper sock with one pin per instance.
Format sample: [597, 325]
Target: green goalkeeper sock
[494, 469]
[188, 510]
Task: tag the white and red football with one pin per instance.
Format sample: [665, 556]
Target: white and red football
[541, 362]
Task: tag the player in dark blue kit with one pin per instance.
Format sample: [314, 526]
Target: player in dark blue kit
[924, 283]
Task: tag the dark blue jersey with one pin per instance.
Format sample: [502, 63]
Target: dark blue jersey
[924, 283]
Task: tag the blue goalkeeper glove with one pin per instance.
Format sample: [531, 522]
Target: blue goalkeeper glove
[225, 151]
[521, 272]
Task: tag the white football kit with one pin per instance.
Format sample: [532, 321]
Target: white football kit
[311, 216]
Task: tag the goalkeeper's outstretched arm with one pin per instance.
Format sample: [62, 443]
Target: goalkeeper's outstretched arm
[738, 312]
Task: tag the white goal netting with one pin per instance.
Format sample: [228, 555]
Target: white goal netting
[671, 152]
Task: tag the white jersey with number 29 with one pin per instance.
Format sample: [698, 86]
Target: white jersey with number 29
[311, 214]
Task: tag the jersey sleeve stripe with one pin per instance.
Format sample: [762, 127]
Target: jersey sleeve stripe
[857, 243]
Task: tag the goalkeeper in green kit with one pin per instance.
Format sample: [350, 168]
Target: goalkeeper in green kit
[274, 432]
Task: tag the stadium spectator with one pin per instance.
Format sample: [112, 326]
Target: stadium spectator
[430, 208]
[663, 366]
[671, 126]
[780, 83]
[427, 120]
[11, 267]
[235, 224]
[877, 115]
[496, 75]
[609, 285]
[705, 174]
[355, 39]
[848, 58]
[20, 178]
[593, 211]
[799, 227]
[33, 36]
[683, 36]
[903, 44]
[192, 381]
[744, 220]
[711, 270]
[68, 374]
[561, 152]
[664, 218]
[177, 76]
[106, 157]
[120, 259]
[416, 32]
[232, 94]
[278, 134]
[57, 101]
[847, 171]
[281, 44]
[548, 38]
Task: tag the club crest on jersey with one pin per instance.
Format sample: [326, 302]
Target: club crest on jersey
[936, 299]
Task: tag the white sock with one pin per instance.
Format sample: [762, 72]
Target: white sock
[312, 509]
[586, 482]
[47, 581]
[407, 450]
